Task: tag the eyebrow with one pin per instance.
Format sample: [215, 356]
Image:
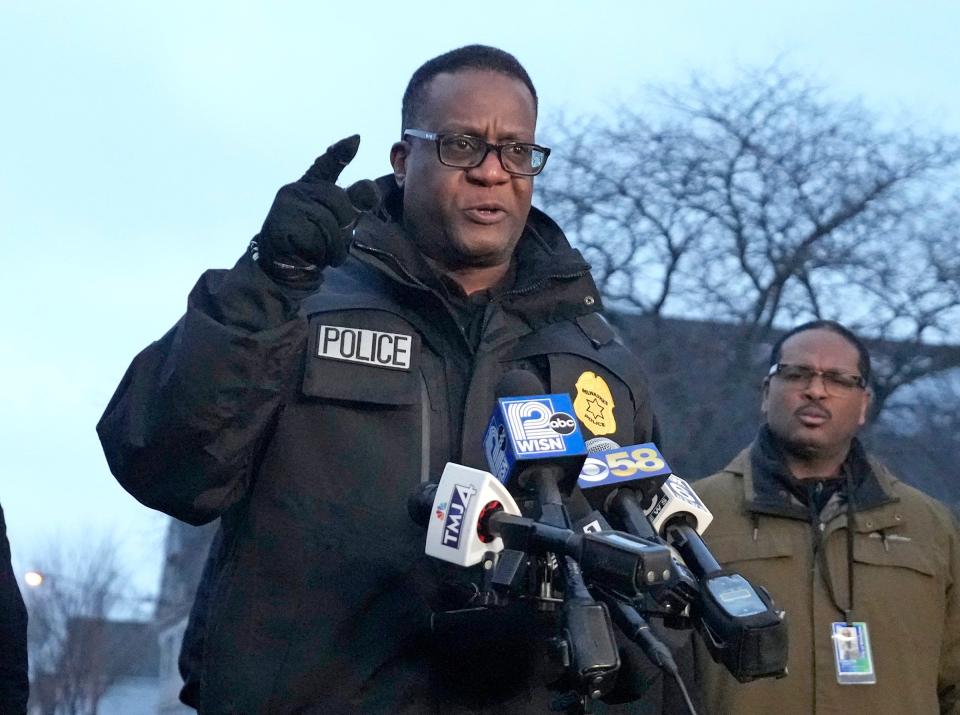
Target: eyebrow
[511, 135]
[844, 370]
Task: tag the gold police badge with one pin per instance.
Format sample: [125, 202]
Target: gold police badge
[594, 404]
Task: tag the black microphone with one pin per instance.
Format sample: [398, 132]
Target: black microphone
[530, 431]
[740, 627]
[519, 382]
[679, 516]
[611, 479]
[420, 503]
[613, 476]
[533, 443]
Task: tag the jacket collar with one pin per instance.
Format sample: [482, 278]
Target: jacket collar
[765, 494]
[552, 278]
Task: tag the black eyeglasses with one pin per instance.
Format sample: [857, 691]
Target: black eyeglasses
[465, 151]
[834, 382]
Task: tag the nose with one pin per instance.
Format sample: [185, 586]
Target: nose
[817, 387]
[489, 171]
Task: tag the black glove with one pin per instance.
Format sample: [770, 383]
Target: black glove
[310, 225]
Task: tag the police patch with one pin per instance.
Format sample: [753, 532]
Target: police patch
[594, 404]
[369, 347]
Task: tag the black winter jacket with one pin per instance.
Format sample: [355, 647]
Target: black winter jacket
[14, 686]
[305, 425]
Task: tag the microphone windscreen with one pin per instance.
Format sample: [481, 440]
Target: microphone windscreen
[600, 444]
[518, 383]
[420, 503]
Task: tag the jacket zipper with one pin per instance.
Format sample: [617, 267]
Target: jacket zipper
[420, 284]
[415, 282]
[425, 436]
[396, 262]
[533, 287]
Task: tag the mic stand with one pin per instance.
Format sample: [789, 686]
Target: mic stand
[636, 628]
[586, 646]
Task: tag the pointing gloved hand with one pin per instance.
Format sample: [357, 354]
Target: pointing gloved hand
[310, 225]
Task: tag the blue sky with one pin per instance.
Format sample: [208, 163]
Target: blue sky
[142, 143]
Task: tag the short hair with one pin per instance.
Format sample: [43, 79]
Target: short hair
[470, 57]
[863, 359]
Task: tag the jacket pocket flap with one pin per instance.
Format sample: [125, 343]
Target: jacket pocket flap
[362, 356]
[895, 550]
[729, 549]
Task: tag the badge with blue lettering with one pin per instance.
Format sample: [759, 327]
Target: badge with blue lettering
[851, 650]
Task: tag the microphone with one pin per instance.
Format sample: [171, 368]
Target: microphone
[609, 467]
[611, 480]
[618, 481]
[740, 627]
[473, 514]
[677, 503]
[420, 503]
[680, 517]
[533, 442]
[607, 472]
[460, 503]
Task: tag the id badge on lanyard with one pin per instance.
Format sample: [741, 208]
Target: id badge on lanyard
[851, 640]
[851, 651]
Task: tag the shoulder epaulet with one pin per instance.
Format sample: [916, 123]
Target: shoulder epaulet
[597, 329]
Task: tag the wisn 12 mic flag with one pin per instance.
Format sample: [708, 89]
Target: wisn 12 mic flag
[524, 431]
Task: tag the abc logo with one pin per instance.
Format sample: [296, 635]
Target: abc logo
[562, 423]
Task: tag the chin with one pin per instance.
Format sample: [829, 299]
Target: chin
[483, 255]
[802, 444]
[809, 449]
[486, 243]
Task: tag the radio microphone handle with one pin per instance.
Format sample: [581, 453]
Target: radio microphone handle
[690, 546]
[624, 503]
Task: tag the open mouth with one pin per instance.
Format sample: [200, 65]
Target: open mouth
[485, 214]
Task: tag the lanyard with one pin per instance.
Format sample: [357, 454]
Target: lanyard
[824, 567]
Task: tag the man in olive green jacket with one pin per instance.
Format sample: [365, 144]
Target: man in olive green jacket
[781, 510]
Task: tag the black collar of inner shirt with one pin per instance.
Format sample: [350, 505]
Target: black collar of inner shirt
[774, 484]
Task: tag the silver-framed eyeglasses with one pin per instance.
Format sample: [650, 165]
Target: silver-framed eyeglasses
[835, 383]
[465, 151]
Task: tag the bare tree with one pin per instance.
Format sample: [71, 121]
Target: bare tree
[762, 203]
[746, 208]
[77, 651]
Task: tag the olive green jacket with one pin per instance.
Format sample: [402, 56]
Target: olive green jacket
[906, 554]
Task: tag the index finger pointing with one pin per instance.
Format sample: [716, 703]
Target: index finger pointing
[328, 165]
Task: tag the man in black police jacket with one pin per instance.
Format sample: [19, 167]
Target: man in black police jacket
[303, 412]
[14, 686]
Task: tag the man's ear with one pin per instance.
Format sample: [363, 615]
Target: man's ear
[764, 394]
[398, 160]
[866, 398]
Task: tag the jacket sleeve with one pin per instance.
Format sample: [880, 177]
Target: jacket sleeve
[14, 686]
[646, 428]
[949, 676]
[182, 431]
